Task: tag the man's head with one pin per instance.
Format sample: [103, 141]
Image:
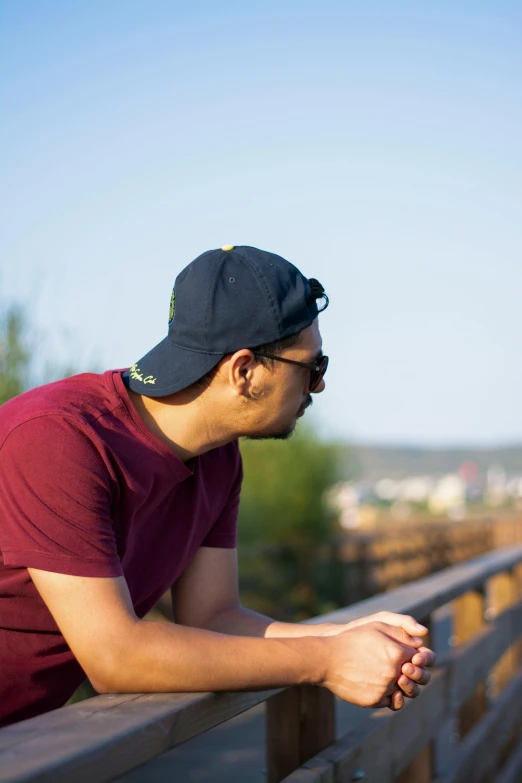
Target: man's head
[240, 318]
[261, 397]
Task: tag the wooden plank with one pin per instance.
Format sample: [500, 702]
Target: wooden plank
[310, 775]
[282, 734]
[86, 744]
[442, 642]
[317, 720]
[511, 772]
[366, 752]
[468, 620]
[318, 769]
[300, 722]
[414, 727]
[517, 581]
[382, 746]
[471, 662]
[501, 591]
[422, 597]
[478, 754]
[25, 730]
[420, 769]
[386, 745]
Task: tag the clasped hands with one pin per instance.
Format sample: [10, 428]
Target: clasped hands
[392, 639]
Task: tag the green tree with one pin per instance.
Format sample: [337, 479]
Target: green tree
[283, 487]
[19, 351]
[15, 353]
[286, 557]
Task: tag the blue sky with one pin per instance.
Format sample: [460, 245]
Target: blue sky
[376, 145]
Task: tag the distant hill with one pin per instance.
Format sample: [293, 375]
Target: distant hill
[371, 462]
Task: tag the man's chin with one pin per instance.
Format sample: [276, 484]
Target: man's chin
[283, 434]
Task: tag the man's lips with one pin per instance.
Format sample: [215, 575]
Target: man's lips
[302, 409]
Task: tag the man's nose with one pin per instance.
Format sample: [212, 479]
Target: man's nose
[320, 388]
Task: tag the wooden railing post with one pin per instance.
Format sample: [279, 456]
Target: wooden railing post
[517, 584]
[300, 722]
[501, 593]
[421, 769]
[443, 639]
[468, 619]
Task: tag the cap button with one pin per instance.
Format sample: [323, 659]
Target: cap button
[227, 247]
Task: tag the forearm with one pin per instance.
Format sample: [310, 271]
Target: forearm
[239, 621]
[163, 657]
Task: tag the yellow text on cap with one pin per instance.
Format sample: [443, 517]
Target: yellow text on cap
[227, 247]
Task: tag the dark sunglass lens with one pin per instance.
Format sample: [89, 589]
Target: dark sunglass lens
[317, 375]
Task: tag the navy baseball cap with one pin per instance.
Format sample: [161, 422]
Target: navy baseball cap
[224, 300]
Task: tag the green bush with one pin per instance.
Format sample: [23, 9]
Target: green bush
[287, 567]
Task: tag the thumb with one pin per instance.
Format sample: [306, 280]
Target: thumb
[405, 621]
[402, 636]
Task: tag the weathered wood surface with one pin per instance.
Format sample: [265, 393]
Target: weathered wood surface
[478, 755]
[469, 617]
[395, 554]
[106, 736]
[502, 592]
[512, 770]
[300, 722]
[426, 595]
[373, 748]
[386, 744]
[420, 769]
[471, 662]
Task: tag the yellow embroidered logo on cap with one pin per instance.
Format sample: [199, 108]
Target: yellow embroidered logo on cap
[227, 247]
[137, 375]
[172, 305]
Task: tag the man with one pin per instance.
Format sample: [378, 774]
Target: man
[115, 487]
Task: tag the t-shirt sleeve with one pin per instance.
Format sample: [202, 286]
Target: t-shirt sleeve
[55, 500]
[223, 533]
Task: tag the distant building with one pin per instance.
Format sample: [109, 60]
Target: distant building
[448, 496]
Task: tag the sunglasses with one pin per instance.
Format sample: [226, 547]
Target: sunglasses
[317, 369]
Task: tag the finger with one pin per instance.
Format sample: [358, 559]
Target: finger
[424, 657]
[410, 624]
[400, 635]
[411, 689]
[397, 701]
[416, 673]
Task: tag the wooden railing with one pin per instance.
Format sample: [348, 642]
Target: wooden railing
[465, 726]
[383, 558]
[359, 564]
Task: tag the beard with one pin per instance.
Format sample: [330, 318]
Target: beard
[285, 432]
[282, 435]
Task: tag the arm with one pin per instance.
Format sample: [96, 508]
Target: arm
[121, 653]
[206, 596]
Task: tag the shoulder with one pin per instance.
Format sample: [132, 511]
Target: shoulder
[69, 405]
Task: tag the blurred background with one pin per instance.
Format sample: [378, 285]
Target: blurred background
[377, 147]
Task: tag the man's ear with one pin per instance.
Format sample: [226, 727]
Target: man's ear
[242, 367]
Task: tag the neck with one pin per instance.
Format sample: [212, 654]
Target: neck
[183, 422]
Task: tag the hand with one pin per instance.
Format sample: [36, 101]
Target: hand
[365, 662]
[415, 672]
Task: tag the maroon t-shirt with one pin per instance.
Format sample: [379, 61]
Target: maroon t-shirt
[86, 489]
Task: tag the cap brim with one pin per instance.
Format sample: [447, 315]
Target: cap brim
[167, 369]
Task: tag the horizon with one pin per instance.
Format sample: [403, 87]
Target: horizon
[439, 447]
